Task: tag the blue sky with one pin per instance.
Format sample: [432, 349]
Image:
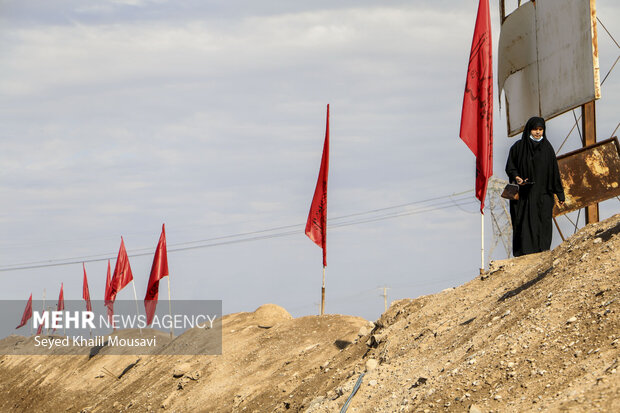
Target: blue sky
[209, 116]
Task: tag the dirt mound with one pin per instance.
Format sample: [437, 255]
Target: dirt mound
[539, 332]
[265, 355]
[268, 315]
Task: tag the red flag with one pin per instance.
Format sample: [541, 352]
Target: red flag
[122, 272]
[159, 270]
[85, 292]
[27, 313]
[40, 328]
[107, 298]
[61, 303]
[61, 300]
[107, 285]
[477, 114]
[316, 226]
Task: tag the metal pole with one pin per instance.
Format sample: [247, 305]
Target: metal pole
[502, 12]
[588, 120]
[323, 294]
[32, 320]
[136, 297]
[170, 308]
[481, 243]
[558, 228]
[44, 311]
[64, 327]
[385, 298]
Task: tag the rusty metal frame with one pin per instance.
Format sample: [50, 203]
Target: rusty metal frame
[594, 186]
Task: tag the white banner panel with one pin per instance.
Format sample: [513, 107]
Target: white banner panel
[548, 61]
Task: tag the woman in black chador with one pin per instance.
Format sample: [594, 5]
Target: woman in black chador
[533, 166]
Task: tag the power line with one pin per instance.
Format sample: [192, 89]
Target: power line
[402, 214]
[433, 205]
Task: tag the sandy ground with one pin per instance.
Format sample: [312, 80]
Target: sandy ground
[535, 333]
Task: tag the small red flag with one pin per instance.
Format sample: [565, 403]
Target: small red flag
[61, 303]
[109, 303]
[27, 313]
[85, 292]
[159, 270]
[61, 300]
[316, 226]
[477, 115]
[122, 272]
[39, 329]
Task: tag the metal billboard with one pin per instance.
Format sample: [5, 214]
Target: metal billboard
[589, 175]
[548, 59]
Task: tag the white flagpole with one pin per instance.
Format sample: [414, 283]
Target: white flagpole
[481, 243]
[31, 321]
[43, 309]
[170, 308]
[136, 297]
[323, 294]
[64, 327]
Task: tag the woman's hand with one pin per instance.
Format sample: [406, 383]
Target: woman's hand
[520, 181]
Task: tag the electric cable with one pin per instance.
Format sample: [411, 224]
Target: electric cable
[208, 243]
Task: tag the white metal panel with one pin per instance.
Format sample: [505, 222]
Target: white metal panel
[566, 74]
[521, 97]
[548, 59]
[517, 71]
[517, 43]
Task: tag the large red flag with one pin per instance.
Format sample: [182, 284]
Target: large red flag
[107, 285]
[477, 114]
[316, 226]
[122, 272]
[85, 292]
[27, 313]
[107, 298]
[61, 300]
[159, 270]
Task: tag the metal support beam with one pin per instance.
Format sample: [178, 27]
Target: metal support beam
[502, 11]
[588, 126]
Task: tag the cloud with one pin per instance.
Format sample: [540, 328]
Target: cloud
[210, 116]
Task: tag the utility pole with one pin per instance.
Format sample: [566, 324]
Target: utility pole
[385, 288]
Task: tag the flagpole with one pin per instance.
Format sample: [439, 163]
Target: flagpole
[85, 284]
[170, 308]
[481, 243]
[64, 327]
[477, 112]
[43, 308]
[136, 297]
[323, 294]
[316, 226]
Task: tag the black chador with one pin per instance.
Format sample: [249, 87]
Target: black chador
[532, 164]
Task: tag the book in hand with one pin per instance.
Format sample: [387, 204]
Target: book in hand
[511, 191]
